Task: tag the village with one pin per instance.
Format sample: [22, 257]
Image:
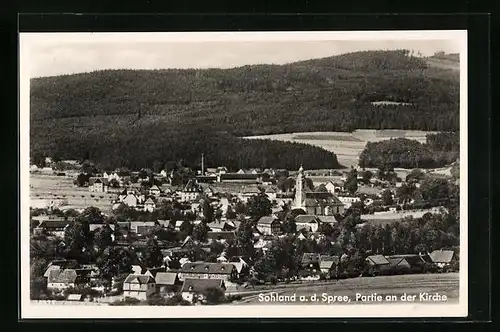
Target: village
[211, 236]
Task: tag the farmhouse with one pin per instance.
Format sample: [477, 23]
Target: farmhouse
[149, 205]
[308, 222]
[329, 265]
[167, 283]
[191, 191]
[61, 279]
[202, 270]
[138, 286]
[154, 190]
[348, 200]
[376, 264]
[269, 225]
[221, 237]
[441, 257]
[194, 290]
[99, 185]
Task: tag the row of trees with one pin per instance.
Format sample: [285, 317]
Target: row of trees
[406, 153]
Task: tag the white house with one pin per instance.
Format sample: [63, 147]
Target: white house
[138, 286]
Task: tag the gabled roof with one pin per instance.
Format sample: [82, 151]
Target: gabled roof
[149, 201]
[139, 279]
[310, 257]
[395, 261]
[201, 285]
[306, 218]
[210, 268]
[51, 268]
[377, 260]
[441, 256]
[62, 276]
[166, 278]
[154, 187]
[328, 219]
[267, 220]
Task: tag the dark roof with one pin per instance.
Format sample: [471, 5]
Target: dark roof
[377, 260]
[64, 276]
[191, 186]
[98, 180]
[237, 176]
[305, 218]
[166, 278]
[139, 278]
[54, 224]
[395, 261]
[441, 256]
[328, 219]
[266, 220]
[201, 285]
[322, 198]
[310, 257]
[211, 268]
[221, 235]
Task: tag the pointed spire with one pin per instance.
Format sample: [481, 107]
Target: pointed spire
[301, 169]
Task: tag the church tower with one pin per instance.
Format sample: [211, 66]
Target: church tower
[299, 188]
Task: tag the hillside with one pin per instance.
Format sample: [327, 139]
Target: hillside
[83, 113]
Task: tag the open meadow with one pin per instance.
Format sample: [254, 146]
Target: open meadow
[443, 284]
[45, 188]
[347, 146]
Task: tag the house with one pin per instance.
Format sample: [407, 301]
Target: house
[327, 220]
[195, 290]
[149, 205]
[167, 283]
[191, 191]
[53, 227]
[271, 193]
[269, 225]
[202, 270]
[221, 237]
[139, 286]
[309, 265]
[329, 265]
[398, 263]
[441, 258]
[134, 225]
[376, 264]
[333, 188]
[99, 185]
[154, 190]
[131, 200]
[371, 191]
[240, 177]
[94, 227]
[75, 297]
[59, 279]
[308, 222]
[262, 243]
[247, 191]
[348, 200]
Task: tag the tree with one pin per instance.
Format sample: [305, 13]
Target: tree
[351, 183]
[214, 295]
[200, 232]
[387, 197]
[114, 183]
[158, 166]
[259, 206]
[208, 210]
[102, 237]
[230, 213]
[77, 238]
[244, 238]
[326, 229]
[152, 256]
[367, 176]
[115, 262]
[416, 175]
[91, 215]
[82, 179]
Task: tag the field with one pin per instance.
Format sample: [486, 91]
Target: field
[60, 189]
[443, 284]
[347, 146]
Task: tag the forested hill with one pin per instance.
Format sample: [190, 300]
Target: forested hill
[330, 94]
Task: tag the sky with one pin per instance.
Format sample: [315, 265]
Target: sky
[68, 56]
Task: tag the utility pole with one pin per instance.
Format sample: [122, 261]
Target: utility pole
[202, 165]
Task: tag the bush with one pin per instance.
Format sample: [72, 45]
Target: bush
[126, 301]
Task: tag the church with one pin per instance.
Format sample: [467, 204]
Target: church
[314, 202]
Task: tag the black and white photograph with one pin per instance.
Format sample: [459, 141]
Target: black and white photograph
[243, 174]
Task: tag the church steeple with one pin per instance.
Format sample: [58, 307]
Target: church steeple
[299, 188]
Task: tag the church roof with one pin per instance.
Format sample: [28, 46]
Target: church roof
[320, 199]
